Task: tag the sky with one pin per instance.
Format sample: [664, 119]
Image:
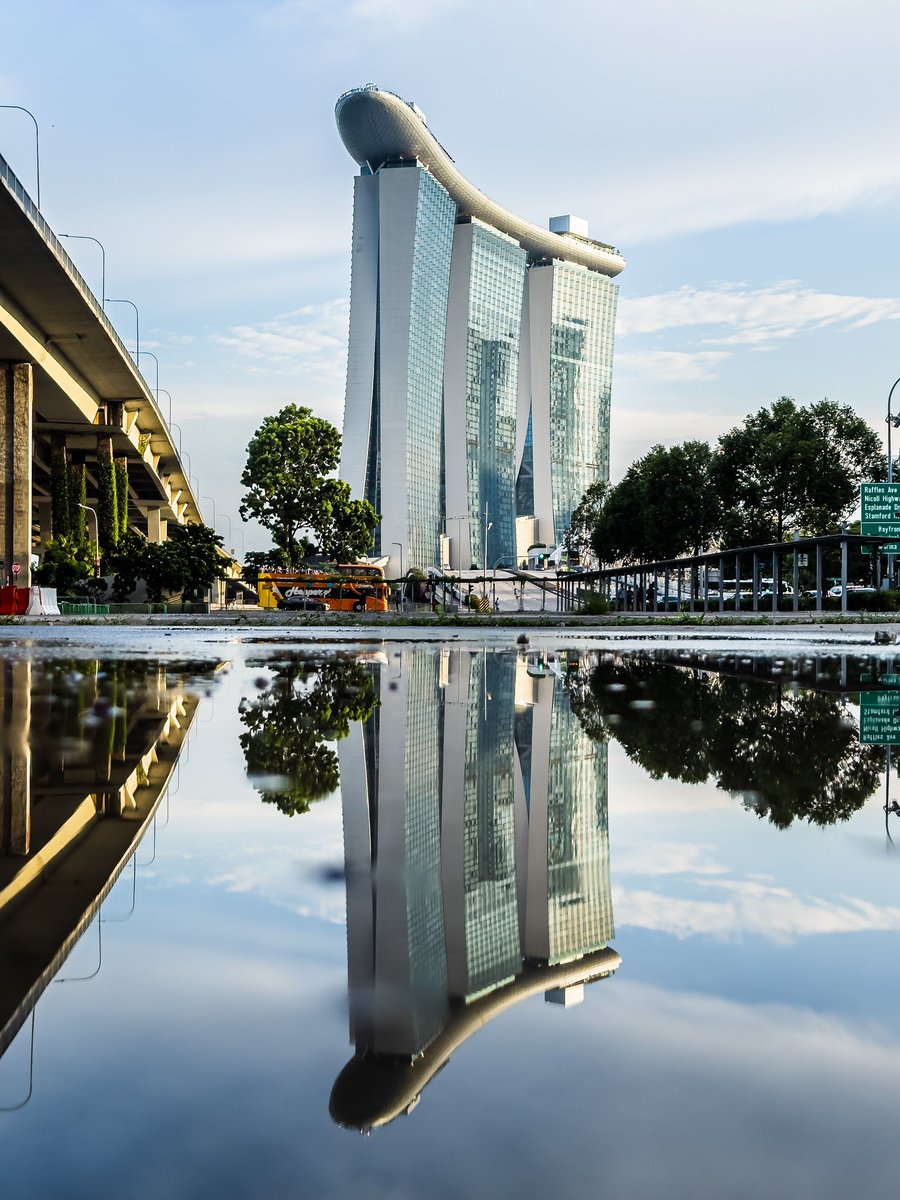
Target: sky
[745, 159]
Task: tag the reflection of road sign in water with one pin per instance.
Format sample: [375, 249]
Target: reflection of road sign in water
[879, 718]
[880, 510]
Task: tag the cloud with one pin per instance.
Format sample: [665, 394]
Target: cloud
[750, 316]
[386, 16]
[672, 366]
[312, 339]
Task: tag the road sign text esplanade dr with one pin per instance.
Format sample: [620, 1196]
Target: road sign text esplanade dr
[880, 510]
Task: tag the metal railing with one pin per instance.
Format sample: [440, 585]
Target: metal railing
[698, 583]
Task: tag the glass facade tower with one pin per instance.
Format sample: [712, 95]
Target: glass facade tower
[480, 357]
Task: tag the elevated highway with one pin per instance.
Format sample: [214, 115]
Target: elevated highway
[69, 388]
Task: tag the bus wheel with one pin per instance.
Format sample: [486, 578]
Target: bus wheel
[358, 605]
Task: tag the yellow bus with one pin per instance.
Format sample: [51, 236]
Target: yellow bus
[349, 587]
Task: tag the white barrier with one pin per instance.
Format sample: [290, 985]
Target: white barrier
[42, 603]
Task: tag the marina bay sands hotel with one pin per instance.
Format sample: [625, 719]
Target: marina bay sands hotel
[480, 356]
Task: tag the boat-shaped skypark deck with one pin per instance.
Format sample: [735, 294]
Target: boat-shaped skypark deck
[378, 127]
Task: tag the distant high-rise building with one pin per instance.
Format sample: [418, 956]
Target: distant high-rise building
[480, 357]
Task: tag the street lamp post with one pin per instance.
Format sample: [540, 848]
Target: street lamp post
[93, 513]
[175, 425]
[230, 534]
[85, 237]
[137, 326]
[169, 394]
[213, 503]
[150, 354]
[494, 580]
[37, 145]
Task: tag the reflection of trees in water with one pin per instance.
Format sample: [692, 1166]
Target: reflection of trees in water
[288, 726]
[793, 754]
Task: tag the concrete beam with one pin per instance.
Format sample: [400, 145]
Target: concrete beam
[44, 353]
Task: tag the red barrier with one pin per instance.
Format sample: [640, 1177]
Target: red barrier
[13, 600]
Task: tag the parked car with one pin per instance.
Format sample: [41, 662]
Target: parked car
[835, 592]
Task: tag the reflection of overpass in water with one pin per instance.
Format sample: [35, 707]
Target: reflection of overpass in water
[86, 760]
[477, 861]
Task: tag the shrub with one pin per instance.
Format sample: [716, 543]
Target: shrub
[592, 604]
[63, 564]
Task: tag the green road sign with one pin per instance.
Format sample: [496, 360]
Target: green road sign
[884, 548]
[879, 718]
[880, 510]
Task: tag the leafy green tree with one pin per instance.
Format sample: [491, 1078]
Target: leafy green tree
[273, 559]
[194, 560]
[64, 563]
[585, 517]
[665, 505]
[126, 563]
[619, 532]
[789, 467]
[289, 459]
[289, 726]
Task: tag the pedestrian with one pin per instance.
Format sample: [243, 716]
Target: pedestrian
[496, 605]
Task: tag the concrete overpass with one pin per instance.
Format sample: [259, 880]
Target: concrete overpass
[68, 385]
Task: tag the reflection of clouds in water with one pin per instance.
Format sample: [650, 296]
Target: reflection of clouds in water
[288, 881]
[750, 907]
[711, 1098]
[669, 858]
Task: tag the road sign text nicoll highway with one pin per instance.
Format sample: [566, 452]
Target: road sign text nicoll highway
[880, 510]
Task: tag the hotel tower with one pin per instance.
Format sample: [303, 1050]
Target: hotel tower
[480, 357]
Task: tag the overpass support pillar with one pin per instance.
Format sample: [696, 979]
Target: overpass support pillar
[16, 417]
[157, 528]
[15, 759]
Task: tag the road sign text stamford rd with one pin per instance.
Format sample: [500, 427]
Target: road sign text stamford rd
[880, 510]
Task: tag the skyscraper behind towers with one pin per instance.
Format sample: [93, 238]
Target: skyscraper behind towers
[480, 356]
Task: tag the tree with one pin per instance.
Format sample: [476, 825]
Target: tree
[789, 467]
[187, 563]
[288, 728]
[665, 505]
[64, 563]
[585, 517]
[125, 561]
[194, 559]
[288, 461]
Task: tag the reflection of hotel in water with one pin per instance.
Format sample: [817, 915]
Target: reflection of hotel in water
[477, 857]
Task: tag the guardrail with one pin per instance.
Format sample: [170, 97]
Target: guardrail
[687, 583]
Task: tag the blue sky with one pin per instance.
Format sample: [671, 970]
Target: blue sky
[743, 157]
